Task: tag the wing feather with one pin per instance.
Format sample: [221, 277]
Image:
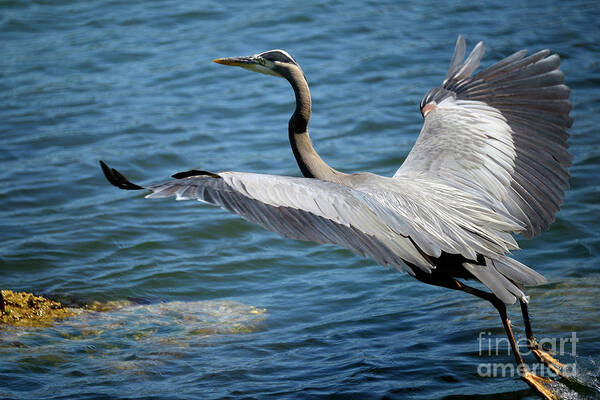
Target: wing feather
[458, 57]
[505, 128]
[471, 63]
[300, 208]
[407, 223]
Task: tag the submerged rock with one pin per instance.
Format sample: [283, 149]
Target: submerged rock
[200, 318]
[27, 309]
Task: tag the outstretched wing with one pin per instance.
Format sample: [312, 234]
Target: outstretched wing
[383, 218]
[502, 131]
[298, 208]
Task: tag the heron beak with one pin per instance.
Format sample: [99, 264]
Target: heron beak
[236, 61]
[251, 63]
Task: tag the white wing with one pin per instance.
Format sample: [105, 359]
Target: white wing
[393, 221]
[298, 208]
[414, 220]
[438, 217]
[502, 132]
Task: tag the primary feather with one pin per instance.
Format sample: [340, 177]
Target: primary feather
[502, 131]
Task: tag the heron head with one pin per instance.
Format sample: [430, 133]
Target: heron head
[272, 62]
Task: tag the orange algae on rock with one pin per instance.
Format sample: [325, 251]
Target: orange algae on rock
[27, 309]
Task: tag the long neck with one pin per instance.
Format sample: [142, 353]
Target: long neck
[310, 163]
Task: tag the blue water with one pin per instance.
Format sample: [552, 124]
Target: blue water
[214, 306]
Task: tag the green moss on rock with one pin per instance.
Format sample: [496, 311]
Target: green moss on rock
[27, 309]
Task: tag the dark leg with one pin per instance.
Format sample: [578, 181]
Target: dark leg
[526, 320]
[535, 382]
[542, 356]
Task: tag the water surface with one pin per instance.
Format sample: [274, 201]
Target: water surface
[132, 83]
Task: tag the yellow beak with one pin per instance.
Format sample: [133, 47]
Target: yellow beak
[234, 61]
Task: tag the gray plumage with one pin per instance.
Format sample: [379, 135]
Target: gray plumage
[502, 131]
[491, 160]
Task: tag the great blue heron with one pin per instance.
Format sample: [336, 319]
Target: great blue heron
[491, 160]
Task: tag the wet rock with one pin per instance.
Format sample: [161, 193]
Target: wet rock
[27, 309]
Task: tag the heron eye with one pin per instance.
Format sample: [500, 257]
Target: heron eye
[261, 61]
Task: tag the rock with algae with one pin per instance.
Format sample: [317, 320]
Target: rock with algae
[26, 309]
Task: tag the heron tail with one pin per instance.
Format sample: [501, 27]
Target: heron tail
[505, 277]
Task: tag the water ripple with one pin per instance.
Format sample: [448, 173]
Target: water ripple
[132, 83]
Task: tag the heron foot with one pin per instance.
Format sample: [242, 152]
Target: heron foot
[546, 358]
[537, 384]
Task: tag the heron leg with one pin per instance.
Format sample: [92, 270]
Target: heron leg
[538, 351]
[535, 382]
